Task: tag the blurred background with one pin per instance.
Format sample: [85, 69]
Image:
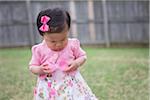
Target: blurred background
[114, 33]
[103, 22]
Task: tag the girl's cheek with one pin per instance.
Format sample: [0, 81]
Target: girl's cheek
[51, 45]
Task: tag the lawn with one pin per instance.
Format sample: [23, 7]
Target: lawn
[112, 74]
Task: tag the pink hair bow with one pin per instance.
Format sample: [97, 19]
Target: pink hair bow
[44, 20]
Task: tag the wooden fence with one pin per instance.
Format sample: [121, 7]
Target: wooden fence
[93, 21]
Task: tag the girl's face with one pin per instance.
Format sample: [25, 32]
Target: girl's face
[56, 41]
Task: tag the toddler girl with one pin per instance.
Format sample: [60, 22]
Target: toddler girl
[56, 60]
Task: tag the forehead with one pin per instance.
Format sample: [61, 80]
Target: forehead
[55, 36]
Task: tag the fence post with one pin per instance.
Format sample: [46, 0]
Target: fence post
[31, 35]
[91, 20]
[73, 17]
[105, 18]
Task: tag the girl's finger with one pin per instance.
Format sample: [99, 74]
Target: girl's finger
[44, 68]
[45, 65]
[47, 71]
[69, 69]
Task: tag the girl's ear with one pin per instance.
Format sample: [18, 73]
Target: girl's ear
[68, 19]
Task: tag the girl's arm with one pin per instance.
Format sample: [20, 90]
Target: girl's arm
[39, 70]
[74, 65]
[80, 61]
[36, 70]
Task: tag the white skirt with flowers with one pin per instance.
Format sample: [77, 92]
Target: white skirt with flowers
[63, 86]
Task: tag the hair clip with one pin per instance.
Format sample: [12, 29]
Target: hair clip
[44, 20]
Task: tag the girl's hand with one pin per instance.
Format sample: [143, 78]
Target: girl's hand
[46, 69]
[72, 66]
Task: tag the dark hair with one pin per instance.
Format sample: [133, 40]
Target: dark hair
[58, 20]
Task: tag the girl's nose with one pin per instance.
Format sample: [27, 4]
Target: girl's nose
[58, 44]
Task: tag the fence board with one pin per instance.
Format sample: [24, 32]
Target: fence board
[127, 21]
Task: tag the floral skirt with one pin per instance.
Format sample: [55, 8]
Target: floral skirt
[63, 86]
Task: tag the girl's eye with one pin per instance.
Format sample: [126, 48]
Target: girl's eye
[63, 40]
[52, 41]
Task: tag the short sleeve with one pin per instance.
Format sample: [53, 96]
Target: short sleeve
[35, 59]
[77, 50]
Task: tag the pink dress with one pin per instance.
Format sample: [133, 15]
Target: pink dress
[60, 85]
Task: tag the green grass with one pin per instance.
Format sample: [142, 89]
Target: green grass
[112, 74]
